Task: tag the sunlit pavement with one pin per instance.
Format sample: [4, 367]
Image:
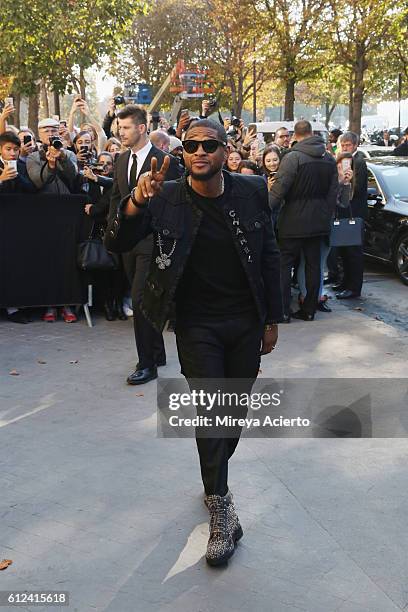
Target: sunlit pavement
[93, 503]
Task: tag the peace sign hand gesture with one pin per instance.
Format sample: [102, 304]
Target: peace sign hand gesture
[150, 183]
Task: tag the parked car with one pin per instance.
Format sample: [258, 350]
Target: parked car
[371, 150]
[386, 229]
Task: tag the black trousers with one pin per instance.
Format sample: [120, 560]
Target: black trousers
[221, 349]
[149, 342]
[353, 267]
[290, 249]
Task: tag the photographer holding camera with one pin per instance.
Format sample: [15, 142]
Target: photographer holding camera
[52, 169]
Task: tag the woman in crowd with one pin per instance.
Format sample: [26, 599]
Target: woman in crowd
[91, 125]
[83, 148]
[110, 284]
[270, 165]
[113, 146]
[233, 161]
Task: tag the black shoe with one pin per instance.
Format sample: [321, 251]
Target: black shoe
[304, 316]
[338, 287]
[323, 307]
[119, 311]
[139, 377]
[347, 295]
[18, 317]
[110, 312]
[286, 318]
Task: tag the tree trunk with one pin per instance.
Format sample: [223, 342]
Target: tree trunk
[289, 113]
[17, 104]
[350, 100]
[57, 106]
[33, 111]
[45, 105]
[329, 110]
[358, 90]
[82, 87]
[82, 83]
[14, 119]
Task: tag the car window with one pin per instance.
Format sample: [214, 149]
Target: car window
[396, 179]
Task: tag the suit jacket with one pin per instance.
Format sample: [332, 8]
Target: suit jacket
[121, 188]
[21, 184]
[359, 186]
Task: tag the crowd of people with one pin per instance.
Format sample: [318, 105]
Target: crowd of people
[78, 155]
[203, 244]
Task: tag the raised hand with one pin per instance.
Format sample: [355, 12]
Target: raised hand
[8, 110]
[150, 183]
[8, 174]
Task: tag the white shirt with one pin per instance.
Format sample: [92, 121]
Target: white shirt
[141, 158]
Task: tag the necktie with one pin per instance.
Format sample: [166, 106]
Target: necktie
[133, 172]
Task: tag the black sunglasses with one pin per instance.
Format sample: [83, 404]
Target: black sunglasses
[209, 146]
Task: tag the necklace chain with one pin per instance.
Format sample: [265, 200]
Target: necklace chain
[222, 184]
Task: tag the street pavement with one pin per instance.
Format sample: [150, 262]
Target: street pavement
[94, 503]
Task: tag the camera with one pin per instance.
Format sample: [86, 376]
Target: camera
[212, 103]
[235, 121]
[119, 100]
[56, 142]
[97, 167]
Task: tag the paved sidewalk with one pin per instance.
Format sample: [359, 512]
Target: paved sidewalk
[93, 503]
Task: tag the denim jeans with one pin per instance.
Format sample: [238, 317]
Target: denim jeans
[324, 251]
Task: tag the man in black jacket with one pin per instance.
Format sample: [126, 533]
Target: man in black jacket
[129, 166]
[352, 256]
[306, 184]
[215, 251]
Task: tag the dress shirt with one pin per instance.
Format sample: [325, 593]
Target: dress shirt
[141, 157]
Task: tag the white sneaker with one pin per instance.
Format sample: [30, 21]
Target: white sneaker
[127, 307]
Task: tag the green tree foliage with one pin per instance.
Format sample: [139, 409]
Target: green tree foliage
[59, 40]
[296, 31]
[157, 39]
[363, 33]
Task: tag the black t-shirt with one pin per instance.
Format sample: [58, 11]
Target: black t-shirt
[214, 283]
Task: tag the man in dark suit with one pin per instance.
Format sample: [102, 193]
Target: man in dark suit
[132, 122]
[352, 256]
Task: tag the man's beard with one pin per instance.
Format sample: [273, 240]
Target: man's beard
[206, 176]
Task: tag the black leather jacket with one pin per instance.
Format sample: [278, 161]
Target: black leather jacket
[173, 215]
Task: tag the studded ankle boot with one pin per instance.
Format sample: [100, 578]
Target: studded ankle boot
[225, 529]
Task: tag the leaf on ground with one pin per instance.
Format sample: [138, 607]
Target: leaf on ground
[74, 361]
[41, 361]
[4, 563]
[14, 373]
